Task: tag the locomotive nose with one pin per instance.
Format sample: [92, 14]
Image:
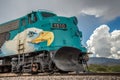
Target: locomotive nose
[68, 59]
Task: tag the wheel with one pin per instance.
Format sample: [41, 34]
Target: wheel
[34, 68]
[1, 69]
[7, 69]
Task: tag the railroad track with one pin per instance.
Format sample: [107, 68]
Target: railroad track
[56, 76]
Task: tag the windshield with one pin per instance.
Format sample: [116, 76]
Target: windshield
[46, 14]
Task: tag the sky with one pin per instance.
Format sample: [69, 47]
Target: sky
[91, 14]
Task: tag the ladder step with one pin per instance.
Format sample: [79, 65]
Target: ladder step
[21, 49]
[20, 44]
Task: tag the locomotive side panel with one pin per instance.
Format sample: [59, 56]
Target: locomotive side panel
[3, 37]
[9, 26]
[5, 30]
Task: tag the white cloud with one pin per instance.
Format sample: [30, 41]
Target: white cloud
[103, 43]
[93, 11]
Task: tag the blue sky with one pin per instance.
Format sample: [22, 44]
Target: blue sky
[114, 24]
[87, 24]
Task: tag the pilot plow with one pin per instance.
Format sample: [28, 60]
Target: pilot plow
[70, 59]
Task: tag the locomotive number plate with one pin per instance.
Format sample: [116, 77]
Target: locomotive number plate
[59, 26]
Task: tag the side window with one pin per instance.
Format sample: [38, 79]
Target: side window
[23, 22]
[29, 18]
[32, 18]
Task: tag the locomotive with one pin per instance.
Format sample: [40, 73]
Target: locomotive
[42, 42]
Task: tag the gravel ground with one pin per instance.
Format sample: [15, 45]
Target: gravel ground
[77, 77]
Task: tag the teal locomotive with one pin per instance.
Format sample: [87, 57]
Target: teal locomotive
[41, 41]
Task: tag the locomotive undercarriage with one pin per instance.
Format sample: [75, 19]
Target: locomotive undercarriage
[33, 62]
[65, 60]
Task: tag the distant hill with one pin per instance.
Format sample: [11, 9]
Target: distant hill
[104, 61]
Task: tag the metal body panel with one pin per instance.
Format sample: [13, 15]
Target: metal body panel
[9, 26]
[3, 37]
[68, 36]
